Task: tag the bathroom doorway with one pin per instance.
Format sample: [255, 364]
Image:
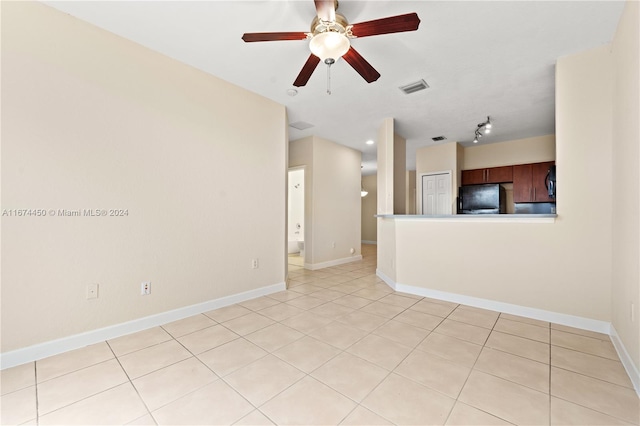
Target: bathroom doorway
[295, 226]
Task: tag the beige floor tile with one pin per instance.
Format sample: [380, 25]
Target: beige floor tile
[281, 311]
[348, 288]
[506, 400]
[227, 358]
[360, 416]
[337, 334]
[466, 415]
[382, 309]
[16, 378]
[328, 294]
[584, 344]
[462, 331]
[581, 332]
[170, 383]
[520, 346]
[118, 405]
[64, 390]
[607, 398]
[362, 320]
[437, 309]
[371, 293]
[307, 353]
[331, 310]
[306, 288]
[136, 341]
[419, 319]
[525, 320]
[352, 301]
[396, 299]
[207, 339]
[259, 303]
[254, 418]
[529, 331]
[214, 404]
[263, 379]
[306, 322]
[404, 402]
[153, 358]
[284, 296]
[248, 323]
[274, 337]
[145, 420]
[188, 325]
[514, 368]
[567, 413]
[441, 302]
[57, 365]
[455, 350]
[351, 376]
[380, 351]
[18, 406]
[308, 402]
[227, 313]
[306, 302]
[434, 372]
[400, 332]
[590, 365]
[474, 316]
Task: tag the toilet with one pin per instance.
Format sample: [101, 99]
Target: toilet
[301, 247]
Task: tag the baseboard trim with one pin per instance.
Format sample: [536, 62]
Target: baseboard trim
[625, 358]
[369, 242]
[388, 281]
[336, 262]
[54, 347]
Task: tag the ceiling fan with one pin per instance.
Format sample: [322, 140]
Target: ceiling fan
[330, 35]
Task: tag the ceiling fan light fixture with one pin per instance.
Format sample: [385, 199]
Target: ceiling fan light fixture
[329, 45]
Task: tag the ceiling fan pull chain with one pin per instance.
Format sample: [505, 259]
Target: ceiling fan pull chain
[329, 62]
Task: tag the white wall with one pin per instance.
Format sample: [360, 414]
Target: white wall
[626, 180]
[333, 195]
[93, 121]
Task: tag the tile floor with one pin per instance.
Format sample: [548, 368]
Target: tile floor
[338, 347]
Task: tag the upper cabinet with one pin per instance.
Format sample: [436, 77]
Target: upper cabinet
[488, 175]
[530, 183]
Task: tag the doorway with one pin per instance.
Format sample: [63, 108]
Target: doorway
[435, 193]
[296, 225]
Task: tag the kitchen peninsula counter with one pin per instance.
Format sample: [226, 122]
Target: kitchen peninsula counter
[531, 218]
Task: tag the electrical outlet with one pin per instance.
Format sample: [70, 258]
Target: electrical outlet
[145, 288]
[92, 291]
[254, 263]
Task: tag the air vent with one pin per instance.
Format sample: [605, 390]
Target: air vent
[301, 125]
[439, 138]
[414, 87]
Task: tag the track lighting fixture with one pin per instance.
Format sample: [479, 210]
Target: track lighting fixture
[482, 127]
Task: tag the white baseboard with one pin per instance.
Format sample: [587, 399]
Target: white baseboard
[368, 242]
[54, 347]
[386, 279]
[336, 262]
[625, 358]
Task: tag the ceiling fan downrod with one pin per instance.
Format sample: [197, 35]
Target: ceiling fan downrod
[329, 62]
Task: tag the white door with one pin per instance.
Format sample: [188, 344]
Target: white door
[436, 194]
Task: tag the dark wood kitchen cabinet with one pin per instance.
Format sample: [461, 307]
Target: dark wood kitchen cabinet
[529, 183]
[488, 175]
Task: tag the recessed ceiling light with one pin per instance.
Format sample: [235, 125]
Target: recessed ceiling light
[292, 92]
[370, 142]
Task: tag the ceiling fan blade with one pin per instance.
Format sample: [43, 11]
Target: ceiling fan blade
[392, 24]
[251, 37]
[326, 10]
[361, 65]
[307, 70]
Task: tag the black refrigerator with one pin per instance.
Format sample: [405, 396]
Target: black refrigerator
[482, 199]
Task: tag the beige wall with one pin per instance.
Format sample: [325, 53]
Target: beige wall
[561, 267]
[411, 191]
[399, 174]
[93, 121]
[332, 199]
[438, 158]
[520, 151]
[368, 219]
[385, 167]
[626, 180]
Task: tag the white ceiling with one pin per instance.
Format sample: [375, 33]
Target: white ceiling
[480, 58]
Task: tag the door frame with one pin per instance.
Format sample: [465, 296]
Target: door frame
[419, 189]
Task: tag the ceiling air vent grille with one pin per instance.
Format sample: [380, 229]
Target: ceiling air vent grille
[301, 125]
[439, 138]
[414, 87]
